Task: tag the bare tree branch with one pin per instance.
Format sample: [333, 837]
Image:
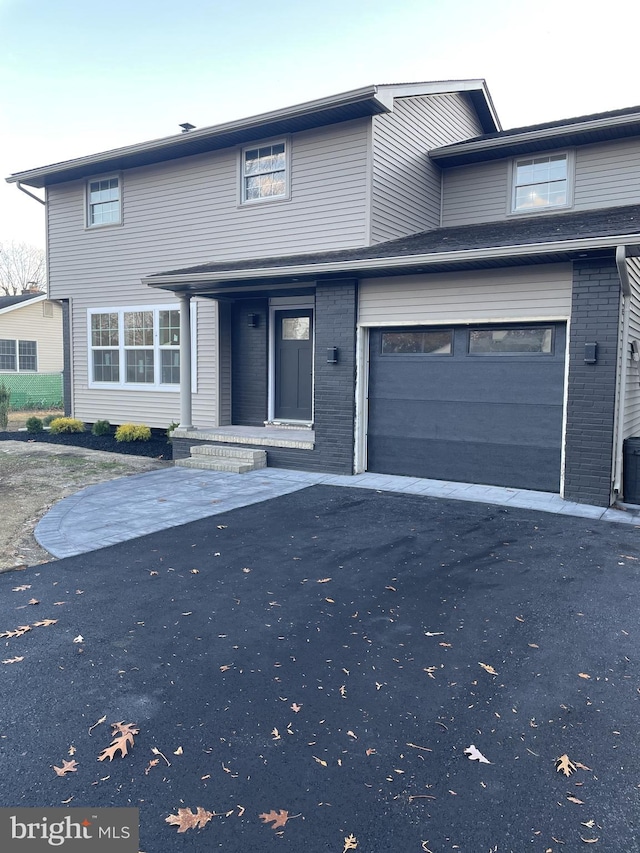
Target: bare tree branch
[22, 267]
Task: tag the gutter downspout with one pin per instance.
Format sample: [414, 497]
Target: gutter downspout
[30, 194]
[625, 286]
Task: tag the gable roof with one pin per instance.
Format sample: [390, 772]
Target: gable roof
[10, 303]
[557, 236]
[357, 103]
[581, 130]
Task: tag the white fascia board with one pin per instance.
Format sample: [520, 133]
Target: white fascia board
[393, 263]
[530, 136]
[342, 99]
[23, 304]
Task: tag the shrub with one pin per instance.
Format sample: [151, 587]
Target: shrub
[5, 398]
[171, 428]
[59, 425]
[34, 424]
[133, 432]
[48, 418]
[101, 428]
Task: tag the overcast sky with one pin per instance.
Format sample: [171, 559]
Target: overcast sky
[78, 77]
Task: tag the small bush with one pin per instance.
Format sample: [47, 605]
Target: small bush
[5, 399]
[101, 428]
[133, 432]
[171, 428]
[34, 424]
[48, 418]
[59, 425]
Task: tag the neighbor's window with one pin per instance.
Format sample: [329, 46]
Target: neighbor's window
[522, 341]
[540, 183]
[419, 342]
[104, 202]
[18, 356]
[136, 347]
[264, 172]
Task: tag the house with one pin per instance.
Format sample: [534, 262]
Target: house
[380, 280]
[31, 350]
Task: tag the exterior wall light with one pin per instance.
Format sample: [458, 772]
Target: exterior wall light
[332, 355]
[253, 320]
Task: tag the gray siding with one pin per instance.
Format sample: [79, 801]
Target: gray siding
[606, 175]
[186, 212]
[405, 195]
[631, 412]
[513, 293]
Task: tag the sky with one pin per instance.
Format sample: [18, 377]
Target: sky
[78, 77]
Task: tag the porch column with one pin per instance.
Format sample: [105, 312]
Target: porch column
[185, 361]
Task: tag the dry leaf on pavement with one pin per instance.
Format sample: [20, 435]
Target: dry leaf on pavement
[350, 843]
[122, 738]
[67, 767]
[475, 755]
[186, 819]
[275, 818]
[488, 668]
[565, 765]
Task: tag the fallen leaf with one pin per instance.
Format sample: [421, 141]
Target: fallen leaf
[156, 751]
[351, 734]
[565, 765]
[72, 750]
[13, 660]
[67, 767]
[186, 819]
[22, 588]
[533, 646]
[583, 675]
[582, 766]
[488, 668]
[78, 639]
[44, 623]
[320, 761]
[370, 751]
[178, 751]
[295, 707]
[343, 691]
[589, 824]
[153, 763]
[275, 734]
[33, 601]
[589, 840]
[195, 571]
[350, 843]
[575, 800]
[475, 755]
[275, 818]
[323, 580]
[99, 723]
[122, 735]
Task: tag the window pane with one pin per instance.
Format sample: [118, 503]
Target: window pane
[104, 330]
[541, 182]
[138, 328]
[510, 341]
[139, 365]
[7, 355]
[104, 201]
[264, 172]
[421, 342]
[169, 328]
[27, 355]
[295, 328]
[170, 367]
[106, 366]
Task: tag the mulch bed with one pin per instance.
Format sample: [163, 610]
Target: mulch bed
[158, 447]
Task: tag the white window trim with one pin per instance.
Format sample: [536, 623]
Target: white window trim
[121, 310]
[250, 202]
[18, 369]
[87, 205]
[535, 211]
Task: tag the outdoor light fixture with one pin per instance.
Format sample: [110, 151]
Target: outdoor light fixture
[332, 355]
[252, 321]
[590, 353]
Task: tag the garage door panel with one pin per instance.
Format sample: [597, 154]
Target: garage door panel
[467, 462]
[493, 418]
[500, 423]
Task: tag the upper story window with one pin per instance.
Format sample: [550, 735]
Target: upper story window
[541, 183]
[264, 172]
[104, 202]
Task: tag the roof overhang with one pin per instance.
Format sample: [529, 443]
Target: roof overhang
[346, 106]
[23, 303]
[294, 275]
[527, 141]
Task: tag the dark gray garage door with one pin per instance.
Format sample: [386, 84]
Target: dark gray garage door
[480, 404]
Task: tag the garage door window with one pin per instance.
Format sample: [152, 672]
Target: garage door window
[513, 341]
[418, 342]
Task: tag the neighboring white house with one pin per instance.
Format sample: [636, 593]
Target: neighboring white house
[30, 334]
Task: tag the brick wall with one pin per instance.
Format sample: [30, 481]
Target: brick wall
[334, 384]
[591, 389]
[249, 360]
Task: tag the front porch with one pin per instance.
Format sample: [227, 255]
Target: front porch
[244, 448]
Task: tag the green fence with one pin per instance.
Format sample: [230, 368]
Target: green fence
[34, 390]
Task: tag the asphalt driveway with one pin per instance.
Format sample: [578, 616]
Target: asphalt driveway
[331, 654]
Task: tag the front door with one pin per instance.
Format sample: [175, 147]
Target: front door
[294, 364]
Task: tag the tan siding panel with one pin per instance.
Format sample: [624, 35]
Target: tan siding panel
[405, 183]
[500, 295]
[28, 323]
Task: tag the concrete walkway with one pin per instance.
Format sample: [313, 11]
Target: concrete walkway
[123, 509]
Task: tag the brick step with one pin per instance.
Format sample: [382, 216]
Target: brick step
[257, 457]
[213, 463]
